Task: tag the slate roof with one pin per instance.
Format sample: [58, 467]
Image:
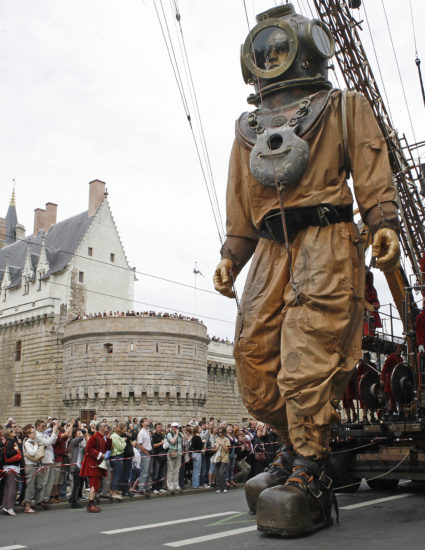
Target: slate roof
[61, 242]
[11, 223]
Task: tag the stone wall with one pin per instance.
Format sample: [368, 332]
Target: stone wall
[37, 375]
[224, 401]
[135, 366]
[162, 368]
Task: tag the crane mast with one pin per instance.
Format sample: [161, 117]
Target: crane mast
[379, 464]
[407, 175]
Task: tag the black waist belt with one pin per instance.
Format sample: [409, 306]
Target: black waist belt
[300, 218]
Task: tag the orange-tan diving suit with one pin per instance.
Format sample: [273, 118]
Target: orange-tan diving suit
[297, 341]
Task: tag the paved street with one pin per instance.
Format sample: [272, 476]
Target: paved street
[369, 519]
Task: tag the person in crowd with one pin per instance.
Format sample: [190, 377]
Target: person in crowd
[11, 466]
[204, 433]
[77, 447]
[348, 399]
[46, 438]
[2, 443]
[106, 479]
[97, 449]
[127, 463]
[210, 451]
[159, 459]
[252, 427]
[364, 366]
[243, 450]
[116, 461]
[196, 451]
[132, 431]
[222, 444]
[175, 445]
[392, 361]
[145, 447]
[230, 482]
[186, 464]
[135, 468]
[34, 481]
[60, 453]
[259, 443]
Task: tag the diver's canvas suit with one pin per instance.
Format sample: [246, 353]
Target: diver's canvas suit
[294, 361]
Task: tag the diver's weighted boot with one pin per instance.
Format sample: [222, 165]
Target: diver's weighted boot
[300, 507]
[275, 474]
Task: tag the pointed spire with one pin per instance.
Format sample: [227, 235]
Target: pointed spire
[28, 271]
[13, 199]
[11, 221]
[43, 265]
[6, 277]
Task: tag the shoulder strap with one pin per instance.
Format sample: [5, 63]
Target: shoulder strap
[344, 131]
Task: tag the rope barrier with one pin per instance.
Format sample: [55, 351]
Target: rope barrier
[374, 477]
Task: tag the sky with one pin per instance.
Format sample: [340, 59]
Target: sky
[87, 91]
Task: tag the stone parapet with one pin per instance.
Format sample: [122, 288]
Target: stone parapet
[134, 364]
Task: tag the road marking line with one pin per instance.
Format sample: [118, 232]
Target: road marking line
[204, 538]
[229, 519]
[162, 524]
[13, 547]
[372, 502]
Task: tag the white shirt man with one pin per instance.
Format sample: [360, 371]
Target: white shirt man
[145, 446]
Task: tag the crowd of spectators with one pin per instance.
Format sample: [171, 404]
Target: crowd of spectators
[133, 313]
[41, 463]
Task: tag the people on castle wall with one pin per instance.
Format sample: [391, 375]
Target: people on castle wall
[164, 315]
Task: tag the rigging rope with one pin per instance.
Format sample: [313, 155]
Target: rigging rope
[398, 70]
[177, 75]
[377, 61]
[204, 164]
[417, 60]
[193, 94]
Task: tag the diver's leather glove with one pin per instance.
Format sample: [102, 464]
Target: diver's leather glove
[386, 249]
[224, 278]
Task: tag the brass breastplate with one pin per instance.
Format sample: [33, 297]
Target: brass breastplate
[279, 156]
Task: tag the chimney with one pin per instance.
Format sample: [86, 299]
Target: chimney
[96, 195]
[50, 217]
[39, 220]
[19, 232]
